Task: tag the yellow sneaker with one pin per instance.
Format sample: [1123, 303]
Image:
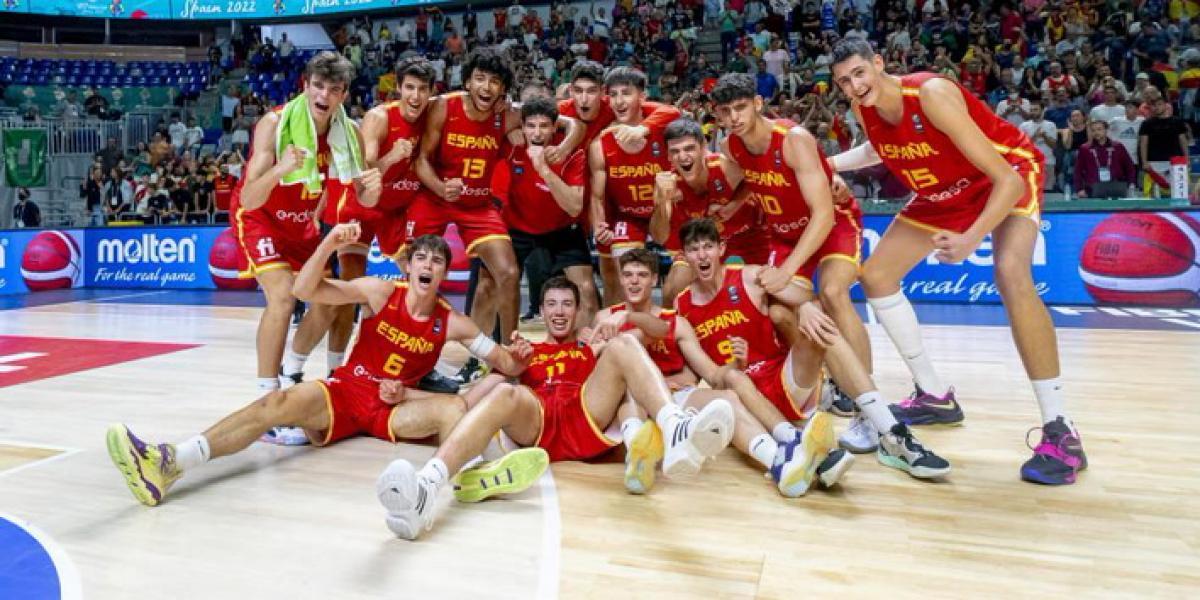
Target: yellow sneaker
[645, 450]
[510, 474]
[149, 469]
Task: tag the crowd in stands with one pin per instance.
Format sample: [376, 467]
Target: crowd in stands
[1105, 88]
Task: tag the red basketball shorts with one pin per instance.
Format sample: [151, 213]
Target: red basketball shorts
[476, 224]
[568, 431]
[354, 408]
[958, 213]
[775, 379]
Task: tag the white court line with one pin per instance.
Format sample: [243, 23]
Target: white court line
[63, 453]
[551, 539]
[69, 585]
[871, 320]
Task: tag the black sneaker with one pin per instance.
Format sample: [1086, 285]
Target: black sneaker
[1058, 458]
[470, 371]
[437, 383]
[898, 449]
[923, 408]
[836, 401]
[836, 463]
[294, 377]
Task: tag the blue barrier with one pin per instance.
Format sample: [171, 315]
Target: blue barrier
[1080, 258]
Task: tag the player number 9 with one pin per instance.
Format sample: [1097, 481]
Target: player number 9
[725, 347]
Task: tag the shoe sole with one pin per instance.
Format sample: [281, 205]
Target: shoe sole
[898, 463]
[929, 421]
[817, 442]
[645, 450]
[831, 476]
[1033, 478]
[401, 513]
[121, 452]
[851, 448]
[513, 473]
[704, 443]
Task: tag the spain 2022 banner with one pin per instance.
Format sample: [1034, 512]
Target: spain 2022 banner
[199, 9]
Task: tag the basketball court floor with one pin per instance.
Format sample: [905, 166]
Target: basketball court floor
[304, 522]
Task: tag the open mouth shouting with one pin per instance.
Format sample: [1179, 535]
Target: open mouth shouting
[424, 280]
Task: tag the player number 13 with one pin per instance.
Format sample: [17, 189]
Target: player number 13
[473, 168]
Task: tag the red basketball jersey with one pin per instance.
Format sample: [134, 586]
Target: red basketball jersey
[469, 150]
[656, 117]
[629, 187]
[926, 159]
[774, 187]
[718, 192]
[731, 313]
[400, 177]
[393, 345]
[531, 206]
[664, 352]
[554, 364]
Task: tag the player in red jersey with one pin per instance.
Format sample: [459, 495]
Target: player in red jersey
[973, 174]
[459, 151]
[274, 222]
[588, 103]
[671, 344]
[784, 170]
[622, 184]
[567, 396]
[391, 132]
[400, 341]
[727, 307]
[698, 186]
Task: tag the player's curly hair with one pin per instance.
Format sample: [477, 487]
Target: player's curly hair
[625, 76]
[587, 69]
[734, 86]
[489, 59]
[539, 106]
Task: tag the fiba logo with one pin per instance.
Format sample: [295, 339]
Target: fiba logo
[149, 248]
[1150, 259]
[52, 260]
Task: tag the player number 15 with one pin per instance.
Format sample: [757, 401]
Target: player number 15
[918, 179]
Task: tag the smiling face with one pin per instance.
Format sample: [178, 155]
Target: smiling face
[485, 89]
[626, 102]
[538, 129]
[414, 96]
[859, 78]
[559, 310]
[636, 282]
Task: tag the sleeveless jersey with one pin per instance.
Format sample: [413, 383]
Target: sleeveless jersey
[393, 345]
[558, 364]
[774, 187]
[400, 177]
[469, 150]
[926, 159]
[695, 204]
[290, 209]
[656, 117]
[731, 313]
[665, 352]
[531, 206]
[629, 187]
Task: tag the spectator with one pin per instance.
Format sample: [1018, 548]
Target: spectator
[601, 26]
[1014, 108]
[1124, 129]
[404, 36]
[1059, 112]
[1072, 138]
[1044, 135]
[68, 106]
[768, 85]
[158, 205]
[423, 28]
[1057, 80]
[160, 150]
[1101, 161]
[110, 155]
[1160, 138]
[286, 48]
[1110, 109]
[230, 103]
[193, 136]
[26, 212]
[777, 58]
[92, 190]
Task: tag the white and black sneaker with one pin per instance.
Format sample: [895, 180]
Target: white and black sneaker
[836, 463]
[835, 401]
[898, 449]
[861, 436]
[697, 437]
[408, 498]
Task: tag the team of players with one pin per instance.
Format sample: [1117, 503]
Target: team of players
[759, 332]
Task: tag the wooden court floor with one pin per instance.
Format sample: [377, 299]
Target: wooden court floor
[303, 523]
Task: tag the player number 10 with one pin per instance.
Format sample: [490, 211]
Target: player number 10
[769, 204]
[394, 364]
[473, 168]
[919, 178]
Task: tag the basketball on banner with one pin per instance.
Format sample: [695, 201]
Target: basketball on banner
[1143, 258]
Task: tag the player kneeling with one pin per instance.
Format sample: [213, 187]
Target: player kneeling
[567, 396]
[399, 342]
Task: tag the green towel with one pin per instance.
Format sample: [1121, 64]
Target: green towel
[296, 128]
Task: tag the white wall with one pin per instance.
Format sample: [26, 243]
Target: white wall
[483, 16]
[302, 35]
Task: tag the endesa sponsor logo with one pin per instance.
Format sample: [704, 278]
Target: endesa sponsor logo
[955, 189]
[786, 228]
[298, 217]
[148, 248]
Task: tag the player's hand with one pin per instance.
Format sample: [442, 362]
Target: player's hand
[556, 154]
[602, 233]
[723, 212]
[816, 325]
[953, 248]
[841, 191]
[291, 159]
[609, 327]
[774, 279]
[454, 189]
[516, 137]
[628, 135]
[370, 184]
[391, 392]
[402, 149]
[538, 157]
[343, 234]
[667, 185]
[520, 348]
[741, 352]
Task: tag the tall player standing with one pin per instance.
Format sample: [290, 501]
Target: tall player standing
[623, 173]
[973, 174]
[275, 222]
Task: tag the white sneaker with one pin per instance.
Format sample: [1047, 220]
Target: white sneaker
[408, 498]
[697, 438]
[860, 437]
[285, 436]
[797, 461]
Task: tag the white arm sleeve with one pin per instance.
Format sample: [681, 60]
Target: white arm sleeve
[481, 346]
[858, 157]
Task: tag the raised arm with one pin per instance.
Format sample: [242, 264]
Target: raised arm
[858, 157]
[311, 285]
[596, 164]
[263, 173]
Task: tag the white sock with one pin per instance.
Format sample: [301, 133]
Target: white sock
[435, 471]
[192, 453]
[334, 360]
[268, 384]
[443, 366]
[876, 410]
[1050, 400]
[293, 363]
[762, 449]
[629, 428]
[899, 319]
[784, 432]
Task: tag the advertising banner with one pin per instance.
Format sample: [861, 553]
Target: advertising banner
[34, 260]
[200, 9]
[25, 157]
